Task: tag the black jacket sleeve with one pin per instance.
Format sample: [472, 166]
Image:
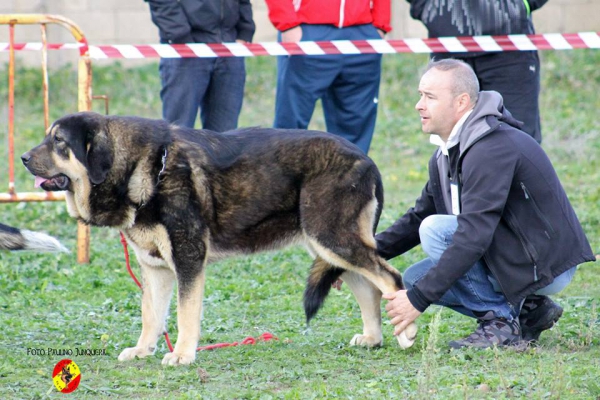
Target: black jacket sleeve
[245, 26]
[170, 19]
[403, 235]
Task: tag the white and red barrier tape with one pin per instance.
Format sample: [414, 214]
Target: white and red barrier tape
[547, 41]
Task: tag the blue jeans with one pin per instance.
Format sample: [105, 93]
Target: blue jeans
[476, 292]
[213, 85]
[348, 86]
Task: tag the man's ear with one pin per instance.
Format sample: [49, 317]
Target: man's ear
[464, 102]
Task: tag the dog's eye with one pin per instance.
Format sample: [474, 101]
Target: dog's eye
[57, 139]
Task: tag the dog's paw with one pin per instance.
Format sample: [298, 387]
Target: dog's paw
[132, 352]
[178, 359]
[366, 341]
[407, 337]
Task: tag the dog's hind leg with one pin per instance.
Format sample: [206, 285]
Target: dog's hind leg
[322, 275]
[157, 289]
[369, 301]
[367, 264]
[339, 219]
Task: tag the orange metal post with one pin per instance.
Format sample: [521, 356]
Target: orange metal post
[45, 91]
[84, 103]
[11, 111]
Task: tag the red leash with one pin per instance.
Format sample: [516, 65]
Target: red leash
[265, 337]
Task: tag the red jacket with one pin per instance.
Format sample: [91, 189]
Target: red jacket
[286, 14]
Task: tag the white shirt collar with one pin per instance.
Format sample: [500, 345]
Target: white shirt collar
[453, 139]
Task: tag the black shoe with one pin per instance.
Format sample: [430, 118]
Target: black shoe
[494, 332]
[538, 314]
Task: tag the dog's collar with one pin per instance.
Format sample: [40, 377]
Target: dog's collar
[163, 160]
[159, 177]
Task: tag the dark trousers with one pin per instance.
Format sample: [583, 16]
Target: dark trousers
[348, 86]
[213, 85]
[516, 76]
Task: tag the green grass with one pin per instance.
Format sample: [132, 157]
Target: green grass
[50, 301]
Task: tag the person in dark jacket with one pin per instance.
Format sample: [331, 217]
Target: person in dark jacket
[493, 219]
[515, 74]
[213, 85]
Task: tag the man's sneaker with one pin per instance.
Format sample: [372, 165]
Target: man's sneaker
[489, 333]
[538, 314]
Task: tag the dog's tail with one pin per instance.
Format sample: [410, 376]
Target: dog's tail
[322, 275]
[21, 239]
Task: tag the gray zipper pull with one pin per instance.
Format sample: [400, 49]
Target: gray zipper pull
[524, 191]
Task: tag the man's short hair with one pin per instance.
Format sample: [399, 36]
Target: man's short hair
[465, 80]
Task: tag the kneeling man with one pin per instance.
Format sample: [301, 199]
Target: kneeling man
[494, 221]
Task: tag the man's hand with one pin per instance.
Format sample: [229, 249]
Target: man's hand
[292, 35]
[400, 310]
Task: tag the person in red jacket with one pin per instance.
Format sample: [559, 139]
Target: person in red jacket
[348, 85]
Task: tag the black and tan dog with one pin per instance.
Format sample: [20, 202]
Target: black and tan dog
[21, 239]
[184, 198]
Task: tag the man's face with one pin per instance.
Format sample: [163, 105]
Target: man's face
[438, 107]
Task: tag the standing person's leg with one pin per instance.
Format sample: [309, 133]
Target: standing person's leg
[350, 104]
[516, 76]
[301, 81]
[221, 106]
[184, 82]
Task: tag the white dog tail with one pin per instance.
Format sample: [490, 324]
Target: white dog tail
[17, 239]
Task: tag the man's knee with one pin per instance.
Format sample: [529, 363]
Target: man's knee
[427, 229]
[434, 230]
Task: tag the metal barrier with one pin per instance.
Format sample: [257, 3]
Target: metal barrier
[84, 103]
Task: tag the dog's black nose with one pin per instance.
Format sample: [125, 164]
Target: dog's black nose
[25, 158]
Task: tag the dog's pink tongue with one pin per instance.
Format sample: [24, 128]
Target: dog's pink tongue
[39, 180]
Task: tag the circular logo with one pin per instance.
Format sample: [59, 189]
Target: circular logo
[66, 376]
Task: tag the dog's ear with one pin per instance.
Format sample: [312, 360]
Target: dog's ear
[99, 158]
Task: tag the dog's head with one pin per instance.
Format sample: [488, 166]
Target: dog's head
[76, 147]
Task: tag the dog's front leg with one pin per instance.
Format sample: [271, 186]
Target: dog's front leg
[157, 290]
[189, 315]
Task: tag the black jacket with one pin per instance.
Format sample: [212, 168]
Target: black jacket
[202, 21]
[474, 18]
[514, 215]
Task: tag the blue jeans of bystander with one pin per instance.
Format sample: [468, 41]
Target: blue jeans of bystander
[213, 85]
